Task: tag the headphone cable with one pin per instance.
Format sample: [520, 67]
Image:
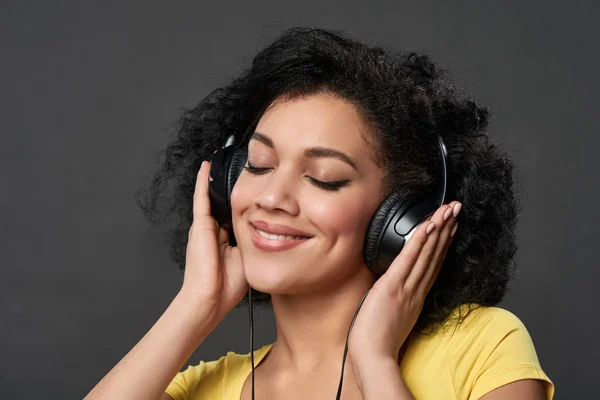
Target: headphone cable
[251, 336]
[339, 392]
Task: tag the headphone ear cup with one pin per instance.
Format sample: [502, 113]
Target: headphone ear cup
[236, 165]
[234, 169]
[374, 235]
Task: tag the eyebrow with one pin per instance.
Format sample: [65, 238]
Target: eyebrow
[312, 152]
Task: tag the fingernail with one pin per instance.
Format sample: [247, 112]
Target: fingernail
[430, 227]
[447, 213]
[454, 230]
[208, 167]
[457, 209]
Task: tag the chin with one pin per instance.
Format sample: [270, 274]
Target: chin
[275, 277]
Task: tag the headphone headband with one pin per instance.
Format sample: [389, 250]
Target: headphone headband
[443, 178]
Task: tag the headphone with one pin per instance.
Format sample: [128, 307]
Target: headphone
[392, 225]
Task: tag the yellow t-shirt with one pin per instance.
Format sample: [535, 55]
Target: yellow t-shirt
[489, 349]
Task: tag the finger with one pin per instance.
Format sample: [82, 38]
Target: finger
[439, 255]
[203, 231]
[223, 239]
[449, 233]
[400, 268]
[203, 220]
[444, 242]
[423, 262]
[202, 252]
[201, 205]
[422, 292]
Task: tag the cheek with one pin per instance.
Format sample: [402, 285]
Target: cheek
[344, 219]
[241, 197]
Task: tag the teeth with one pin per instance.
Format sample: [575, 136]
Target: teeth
[271, 236]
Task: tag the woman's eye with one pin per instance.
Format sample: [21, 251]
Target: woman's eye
[255, 170]
[334, 185]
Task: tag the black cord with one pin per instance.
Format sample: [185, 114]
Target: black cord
[251, 337]
[339, 392]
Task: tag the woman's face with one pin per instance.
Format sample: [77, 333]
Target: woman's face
[300, 213]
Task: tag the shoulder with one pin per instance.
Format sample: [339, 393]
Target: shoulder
[206, 378]
[476, 321]
[187, 382]
[491, 346]
[485, 331]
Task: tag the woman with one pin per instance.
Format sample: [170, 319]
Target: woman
[337, 126]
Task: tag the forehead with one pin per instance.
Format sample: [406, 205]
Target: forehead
[321, 120]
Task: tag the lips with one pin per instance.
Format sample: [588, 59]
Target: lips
[275, 237]
[272, 236]
[278, 229]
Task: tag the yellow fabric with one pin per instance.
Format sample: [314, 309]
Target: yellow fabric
[489, 349]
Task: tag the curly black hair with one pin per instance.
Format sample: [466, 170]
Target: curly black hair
[407, 100]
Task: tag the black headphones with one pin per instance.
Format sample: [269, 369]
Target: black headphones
[391, 227]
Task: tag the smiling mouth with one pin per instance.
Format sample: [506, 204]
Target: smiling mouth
[272, 236]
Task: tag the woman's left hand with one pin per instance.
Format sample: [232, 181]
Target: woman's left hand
[391, 308]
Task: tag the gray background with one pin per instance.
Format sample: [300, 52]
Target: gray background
[87, 96]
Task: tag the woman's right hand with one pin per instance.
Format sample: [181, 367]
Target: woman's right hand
[214, 282]
[214, 274]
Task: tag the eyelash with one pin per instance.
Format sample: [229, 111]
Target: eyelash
[331, 186]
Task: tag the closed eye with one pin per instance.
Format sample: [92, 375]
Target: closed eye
[254, 170]
[331, 186]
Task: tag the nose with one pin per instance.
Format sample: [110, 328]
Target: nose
[279, 192]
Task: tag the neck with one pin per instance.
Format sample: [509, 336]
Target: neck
[312, 327]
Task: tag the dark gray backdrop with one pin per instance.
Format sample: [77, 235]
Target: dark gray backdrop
[87, 93]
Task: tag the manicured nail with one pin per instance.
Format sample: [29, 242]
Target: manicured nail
[447, 213]
[430, 227]
[457, 209]
[208, 167]
[454, 230]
